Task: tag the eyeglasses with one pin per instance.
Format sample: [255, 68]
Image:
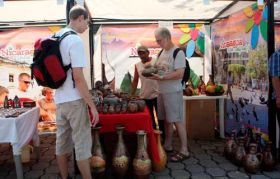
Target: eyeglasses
[27, 82]
[159, 40]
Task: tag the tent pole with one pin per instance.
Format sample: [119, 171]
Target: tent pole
[69, 5]
[270, 51]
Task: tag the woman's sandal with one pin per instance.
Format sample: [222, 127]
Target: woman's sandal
[179, 157]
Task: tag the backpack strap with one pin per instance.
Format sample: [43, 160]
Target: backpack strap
[65, 35]
[159, 53]
[176, 51]
[67, 67]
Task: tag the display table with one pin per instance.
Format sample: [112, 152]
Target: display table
[132, 123]
[220, 99]
[19, 131]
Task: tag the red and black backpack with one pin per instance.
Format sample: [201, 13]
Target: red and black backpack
[47, 67]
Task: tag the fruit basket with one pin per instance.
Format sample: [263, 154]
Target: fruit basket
[214, 94]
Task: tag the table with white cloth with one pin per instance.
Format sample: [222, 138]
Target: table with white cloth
[19, 131]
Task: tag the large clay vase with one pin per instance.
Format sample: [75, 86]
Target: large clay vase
[160, 165]
[120, 159]
[230, 147]
[252, 160]
[142, 163]
[269, 162]
[98, 161]
[240, 152]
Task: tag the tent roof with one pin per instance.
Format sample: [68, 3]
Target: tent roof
[191, 10]
[112, 11]
[32, 11]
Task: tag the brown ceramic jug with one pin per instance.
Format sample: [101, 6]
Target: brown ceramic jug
[268, 159]
[142, 164]
[211, 80]
[120, 159]
[230, 147]
[240, 152]
[98, 160]
[159, 166]
[252, 160]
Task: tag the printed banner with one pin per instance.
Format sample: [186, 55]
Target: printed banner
[240, 64]
[17, 44]
[120, 42]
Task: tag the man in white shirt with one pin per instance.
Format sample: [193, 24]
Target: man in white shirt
[23, 91]
[73, 99]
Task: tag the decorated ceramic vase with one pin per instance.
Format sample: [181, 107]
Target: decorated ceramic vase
[159, 166]
[252, 160]
[120, 159]
[98, 160]
[142, 163]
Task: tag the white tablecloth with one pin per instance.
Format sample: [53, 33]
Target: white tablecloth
[20, 130]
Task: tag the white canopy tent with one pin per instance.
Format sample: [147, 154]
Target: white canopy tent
[21, 13]
[16, 12]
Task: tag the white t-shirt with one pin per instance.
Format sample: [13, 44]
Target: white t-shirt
[168, 65]
[31, 94]
[72, 51]
[149, 88]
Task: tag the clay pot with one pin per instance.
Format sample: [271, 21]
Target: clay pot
[118, 108]
[188, 91]
[132, 106]
[252, 160]
[147, 72]
[268, 159]
[120, 158]
[141, 105]
[111, 109]
[111, 99]
[142, 164]
[240, 152]
[211, 80]
[105, 108]
[124, 107]
[98, 160]
[230, 147]
[159, 166]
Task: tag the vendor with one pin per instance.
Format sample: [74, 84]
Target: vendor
[47, 105]
[149, 88]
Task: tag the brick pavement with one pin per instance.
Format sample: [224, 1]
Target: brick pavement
[206, 161]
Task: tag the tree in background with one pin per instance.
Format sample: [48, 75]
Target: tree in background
[256, 67]
[238, 70]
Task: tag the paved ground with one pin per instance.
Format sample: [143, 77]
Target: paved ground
[206, 162]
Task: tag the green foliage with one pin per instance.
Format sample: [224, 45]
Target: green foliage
[256, 66]
[237, 69]
[126, 83]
